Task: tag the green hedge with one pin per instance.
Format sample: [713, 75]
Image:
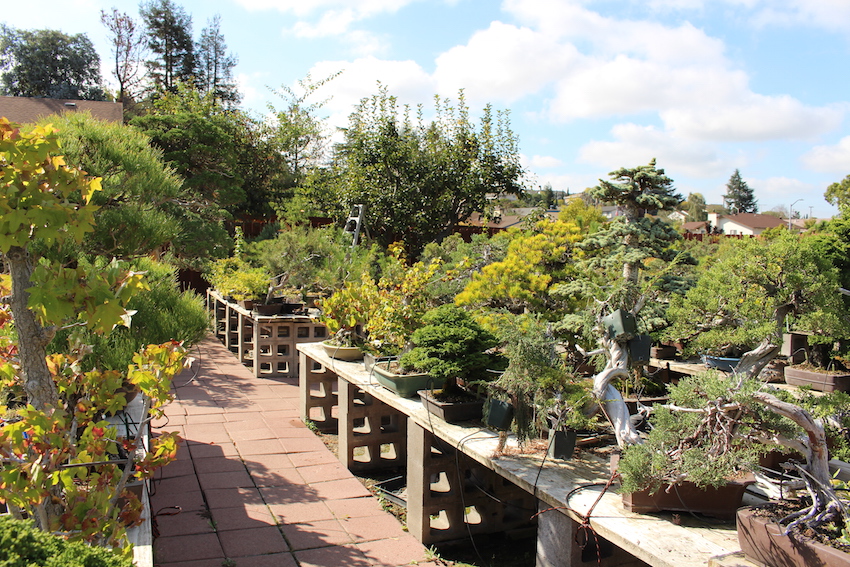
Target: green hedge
[24, 545]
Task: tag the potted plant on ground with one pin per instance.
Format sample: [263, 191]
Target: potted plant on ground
[451, 346]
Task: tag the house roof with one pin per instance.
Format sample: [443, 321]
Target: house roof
[24, 110]
[754, 220]
[694, 225]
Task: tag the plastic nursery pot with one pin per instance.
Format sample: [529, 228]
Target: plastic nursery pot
[500, 414]
[620, 322]
[562, 444]
[639, 349]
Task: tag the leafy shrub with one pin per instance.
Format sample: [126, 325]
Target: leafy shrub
[24, 545]
[163, 313]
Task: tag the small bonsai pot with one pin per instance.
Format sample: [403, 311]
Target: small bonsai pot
[339, 352]
[721, 502]
[724, 363]
[405, 385]
[820, 381]
[454, 411]
[267, 309]
[562, 444]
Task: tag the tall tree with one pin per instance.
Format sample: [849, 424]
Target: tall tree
[838, 194]
[49, 64]
[128, 49]
[739, 197]
[696, 207]
[169, 35]
[419, 179]
[215, 65]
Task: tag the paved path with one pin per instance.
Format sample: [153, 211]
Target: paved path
[256, 487]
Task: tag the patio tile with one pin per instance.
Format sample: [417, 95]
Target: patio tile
[187, 501]
[394, 551]
[178, 484]
[303, 444]
[184, 523]
[334, 556]
[370, 528]
[176, 468]
[310, 535]
[231, 479]
[232, 497]
[325, 472]
[242, 517]
[219, 464]
[312, 458]
[182, 548]
[206, 433]
[268, 462]
[301, 512]
[253, 541]
[217, 562]
[256, 434]
[293, 493]
[354, 507]
[260, 447]
[336, 489]
[277, 477]
[204, 450]
[271, 560]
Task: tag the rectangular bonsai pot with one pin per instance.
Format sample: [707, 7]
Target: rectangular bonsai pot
[821, 381]
[405, 385]
[452, 412]
[762, 541]
[721, 502]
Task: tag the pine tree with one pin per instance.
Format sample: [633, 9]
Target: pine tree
[739, 197]
[215, 65]
[169, 31]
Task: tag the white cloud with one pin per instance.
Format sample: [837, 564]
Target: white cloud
[635, 145]
[542, 162]
[829, 159]
[754, 117]
[332, 22]
[503, 62]
[833, 15]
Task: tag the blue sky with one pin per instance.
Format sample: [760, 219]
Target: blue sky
[704, 86]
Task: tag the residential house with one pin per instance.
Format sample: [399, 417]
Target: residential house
[747, 224]
[24, 110]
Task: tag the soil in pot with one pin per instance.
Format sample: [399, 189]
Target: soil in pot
[762, 540]
[452, 408]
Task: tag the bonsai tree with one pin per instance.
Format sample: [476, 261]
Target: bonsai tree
[537, 381]
[618, 253]
[451, 345]
[346, 311]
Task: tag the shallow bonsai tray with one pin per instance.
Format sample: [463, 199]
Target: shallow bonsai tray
[405, 385]
[762, 541]
[820, 381]
[721, 502]
[452, 412]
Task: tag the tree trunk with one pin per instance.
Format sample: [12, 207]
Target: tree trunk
[32, 337]
[610, 398]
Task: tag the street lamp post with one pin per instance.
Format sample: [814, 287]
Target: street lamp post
[791, 212]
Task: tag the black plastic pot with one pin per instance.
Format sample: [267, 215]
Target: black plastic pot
[562, 444]
[500, 414]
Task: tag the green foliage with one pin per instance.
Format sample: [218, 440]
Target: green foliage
[419, 179]
[346, 311]
[23, 545]
[537, 381]
[169, 31]
[161, 313]
[236, 278]
[312, 259]
[450, 345]
[838, 194]
[696, 208]
[707, 446]
[535, 261]
[743, 295]
[49, 64]
[141, 205]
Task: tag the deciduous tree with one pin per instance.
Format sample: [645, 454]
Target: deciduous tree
[128, 50]
[49, 64]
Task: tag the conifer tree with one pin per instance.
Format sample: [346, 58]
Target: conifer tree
[739, 196]
[169, 31]
[215, 65]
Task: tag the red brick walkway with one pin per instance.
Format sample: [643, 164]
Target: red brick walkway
[256, 487]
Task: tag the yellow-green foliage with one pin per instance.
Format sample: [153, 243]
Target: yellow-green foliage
[236, 278]
[535, 260]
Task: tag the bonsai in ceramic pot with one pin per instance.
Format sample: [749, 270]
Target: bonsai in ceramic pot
[451, 346]
[344, 314]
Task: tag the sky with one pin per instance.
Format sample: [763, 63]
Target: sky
[703, 86]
